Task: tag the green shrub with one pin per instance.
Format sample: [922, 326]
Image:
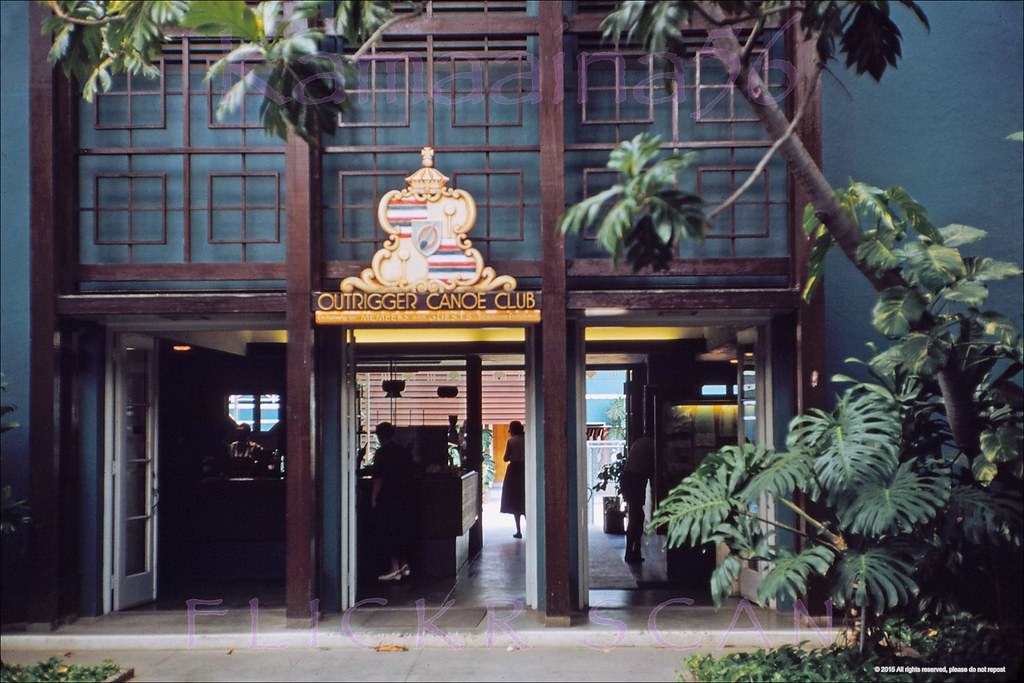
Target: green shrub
[55, 669]
[907, 653]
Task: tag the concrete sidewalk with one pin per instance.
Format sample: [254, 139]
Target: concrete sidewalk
[349, 664]
[369, 644]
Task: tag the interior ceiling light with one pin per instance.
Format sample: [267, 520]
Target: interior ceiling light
[181, 347]
[447, 391]
[392, 387]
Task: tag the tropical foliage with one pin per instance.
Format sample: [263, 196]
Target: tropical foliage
[277, 49]
[643, 217]
[56, 669]
[909, 503]
[937, 643]
[861, 32]
[14, 512]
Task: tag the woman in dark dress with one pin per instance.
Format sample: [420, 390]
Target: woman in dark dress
[391, 496]
[513, 490]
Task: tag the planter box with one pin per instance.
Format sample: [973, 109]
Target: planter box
[614, 517]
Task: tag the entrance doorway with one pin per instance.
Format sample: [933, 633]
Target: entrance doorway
[196, 447]
[451, 404]
[690, 390]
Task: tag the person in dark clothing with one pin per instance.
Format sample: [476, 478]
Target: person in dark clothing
[391, 495]
[636, 471]
[513, 489]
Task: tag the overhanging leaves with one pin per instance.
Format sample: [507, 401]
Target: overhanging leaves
[923, 354]
[985, 269]
[934, 265]
[871, 41]
[1001, 444]
[957, 235]
[644, 216]
[897, 310]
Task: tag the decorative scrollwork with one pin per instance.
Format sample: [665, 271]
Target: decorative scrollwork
[427, 248]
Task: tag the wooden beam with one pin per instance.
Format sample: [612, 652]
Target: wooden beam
[44, 463]
[66, 169]
[467, 24]
[684, 299]
[590, 22]
[602, 267]
[518, 269]
[554, 351]
[166, 303]
[164, 272]
[300, 492]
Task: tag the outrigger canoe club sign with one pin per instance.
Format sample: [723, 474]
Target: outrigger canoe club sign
[427, 270]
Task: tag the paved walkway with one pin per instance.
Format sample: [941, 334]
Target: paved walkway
[428, 664]
[411, 645]
[634, 636]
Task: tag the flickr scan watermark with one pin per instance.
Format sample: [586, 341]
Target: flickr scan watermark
[403, 79]
[501, 631]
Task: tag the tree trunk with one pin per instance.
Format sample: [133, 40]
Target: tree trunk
[840, 224]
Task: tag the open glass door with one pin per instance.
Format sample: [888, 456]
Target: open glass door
[350, 456]
[135, 471]
[752, 382]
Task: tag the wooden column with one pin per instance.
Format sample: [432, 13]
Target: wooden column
[554, 328]
[810, 381]
[302, 185]
[810, 333]
[475, 444]
[44, 454]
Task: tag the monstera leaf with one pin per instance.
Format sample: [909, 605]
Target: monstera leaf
[987, 515]
[874, 579]
[694, 509]
[889, 506]
[898, 309]
[857, 442]
[723, 577]
[697, 507]
[783, 473]
[790, 572]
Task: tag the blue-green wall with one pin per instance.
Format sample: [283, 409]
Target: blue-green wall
[14, 279]
[935, 126]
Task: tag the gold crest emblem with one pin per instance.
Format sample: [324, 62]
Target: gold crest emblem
[427, 248]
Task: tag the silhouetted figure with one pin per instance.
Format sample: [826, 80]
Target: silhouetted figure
[636, 471]
[513, 490]
[246, 455]
[391, 500]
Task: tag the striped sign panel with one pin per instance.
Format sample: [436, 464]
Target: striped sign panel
[402, 212]
[450, 263]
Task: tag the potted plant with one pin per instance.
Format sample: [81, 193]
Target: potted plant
[614, 515]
